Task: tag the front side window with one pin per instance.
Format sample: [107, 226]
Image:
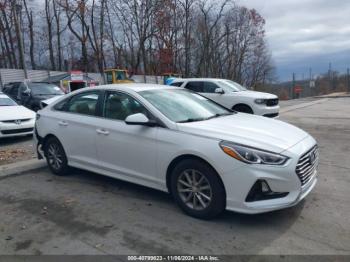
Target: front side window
[119, 106]
[230, 86]
[120, 75]
[85, 104]
[209, 87]
[183, 106]
[195, 86]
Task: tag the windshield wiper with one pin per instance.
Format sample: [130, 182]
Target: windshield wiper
[204, 118]
[191, 120]
[218, 115]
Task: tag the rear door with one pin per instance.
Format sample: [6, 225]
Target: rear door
[75, 126]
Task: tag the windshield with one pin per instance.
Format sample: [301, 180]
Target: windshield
[45, 89]
[6, 101]
[231, 86]
[183, 106]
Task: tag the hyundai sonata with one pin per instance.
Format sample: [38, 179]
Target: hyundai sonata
[208, 157]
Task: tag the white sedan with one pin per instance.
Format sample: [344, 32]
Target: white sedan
[15, 120]
[209, 158]
[232, 95]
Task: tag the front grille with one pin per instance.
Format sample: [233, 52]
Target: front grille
[307, 165]
[15, 121]
[16, 131]
[272, 102]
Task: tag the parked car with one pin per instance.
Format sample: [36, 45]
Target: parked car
[11, 89]
[232, 95]
[30, 94]
[15, 120]
[208, 157]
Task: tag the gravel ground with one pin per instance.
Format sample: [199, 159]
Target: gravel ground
[14, 149]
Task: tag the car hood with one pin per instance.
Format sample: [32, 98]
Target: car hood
[51, 100]
[45, 97]
[255, 94]
[15, 113]
[251, 130]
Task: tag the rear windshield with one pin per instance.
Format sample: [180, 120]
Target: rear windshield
[45, 89]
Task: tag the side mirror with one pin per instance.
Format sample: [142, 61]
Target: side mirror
[219, 91]
[139, 119]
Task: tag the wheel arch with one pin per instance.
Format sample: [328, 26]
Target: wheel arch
[242, 105]
[183, 157]
[47, 137]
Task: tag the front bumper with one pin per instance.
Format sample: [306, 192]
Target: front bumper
[13, 129]
[268, 111]
[239, 182]
[38, 144]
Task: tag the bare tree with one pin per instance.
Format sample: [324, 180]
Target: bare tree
[29, 14]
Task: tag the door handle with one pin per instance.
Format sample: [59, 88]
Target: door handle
[102, 132]
[63, 123]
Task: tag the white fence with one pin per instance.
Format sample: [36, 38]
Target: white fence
[17, 75]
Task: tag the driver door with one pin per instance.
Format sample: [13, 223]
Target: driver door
[126, 151]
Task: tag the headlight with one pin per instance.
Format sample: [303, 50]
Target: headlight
[260, 101]
[251, 155]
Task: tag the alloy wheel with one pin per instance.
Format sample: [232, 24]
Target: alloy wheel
[55, 156]
[194, 189]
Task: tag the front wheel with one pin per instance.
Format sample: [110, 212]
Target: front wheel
[56, 157]
[243, 109]
[197, 189]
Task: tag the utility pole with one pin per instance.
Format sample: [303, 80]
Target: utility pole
[330, 76]
[293, 85]
[18, 9]
[348, 78]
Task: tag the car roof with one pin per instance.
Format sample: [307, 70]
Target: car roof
[136, 87]
[197, 79]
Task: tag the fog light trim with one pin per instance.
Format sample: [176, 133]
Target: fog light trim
[261, 191]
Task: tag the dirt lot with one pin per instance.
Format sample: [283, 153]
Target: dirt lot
[85, 213]
[16, 149]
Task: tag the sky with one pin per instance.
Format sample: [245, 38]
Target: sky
[306, 33]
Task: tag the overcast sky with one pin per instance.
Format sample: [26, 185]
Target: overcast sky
[306, 33]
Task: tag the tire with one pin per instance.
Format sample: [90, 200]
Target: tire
[194, 201]
[56, 157]
[243, 109]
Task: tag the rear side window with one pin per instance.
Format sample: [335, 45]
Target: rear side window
[85, 104]
[178, 84]
[195, 86]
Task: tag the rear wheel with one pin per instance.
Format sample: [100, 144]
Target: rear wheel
[243, 109]
[197, 189]
[56, 157]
